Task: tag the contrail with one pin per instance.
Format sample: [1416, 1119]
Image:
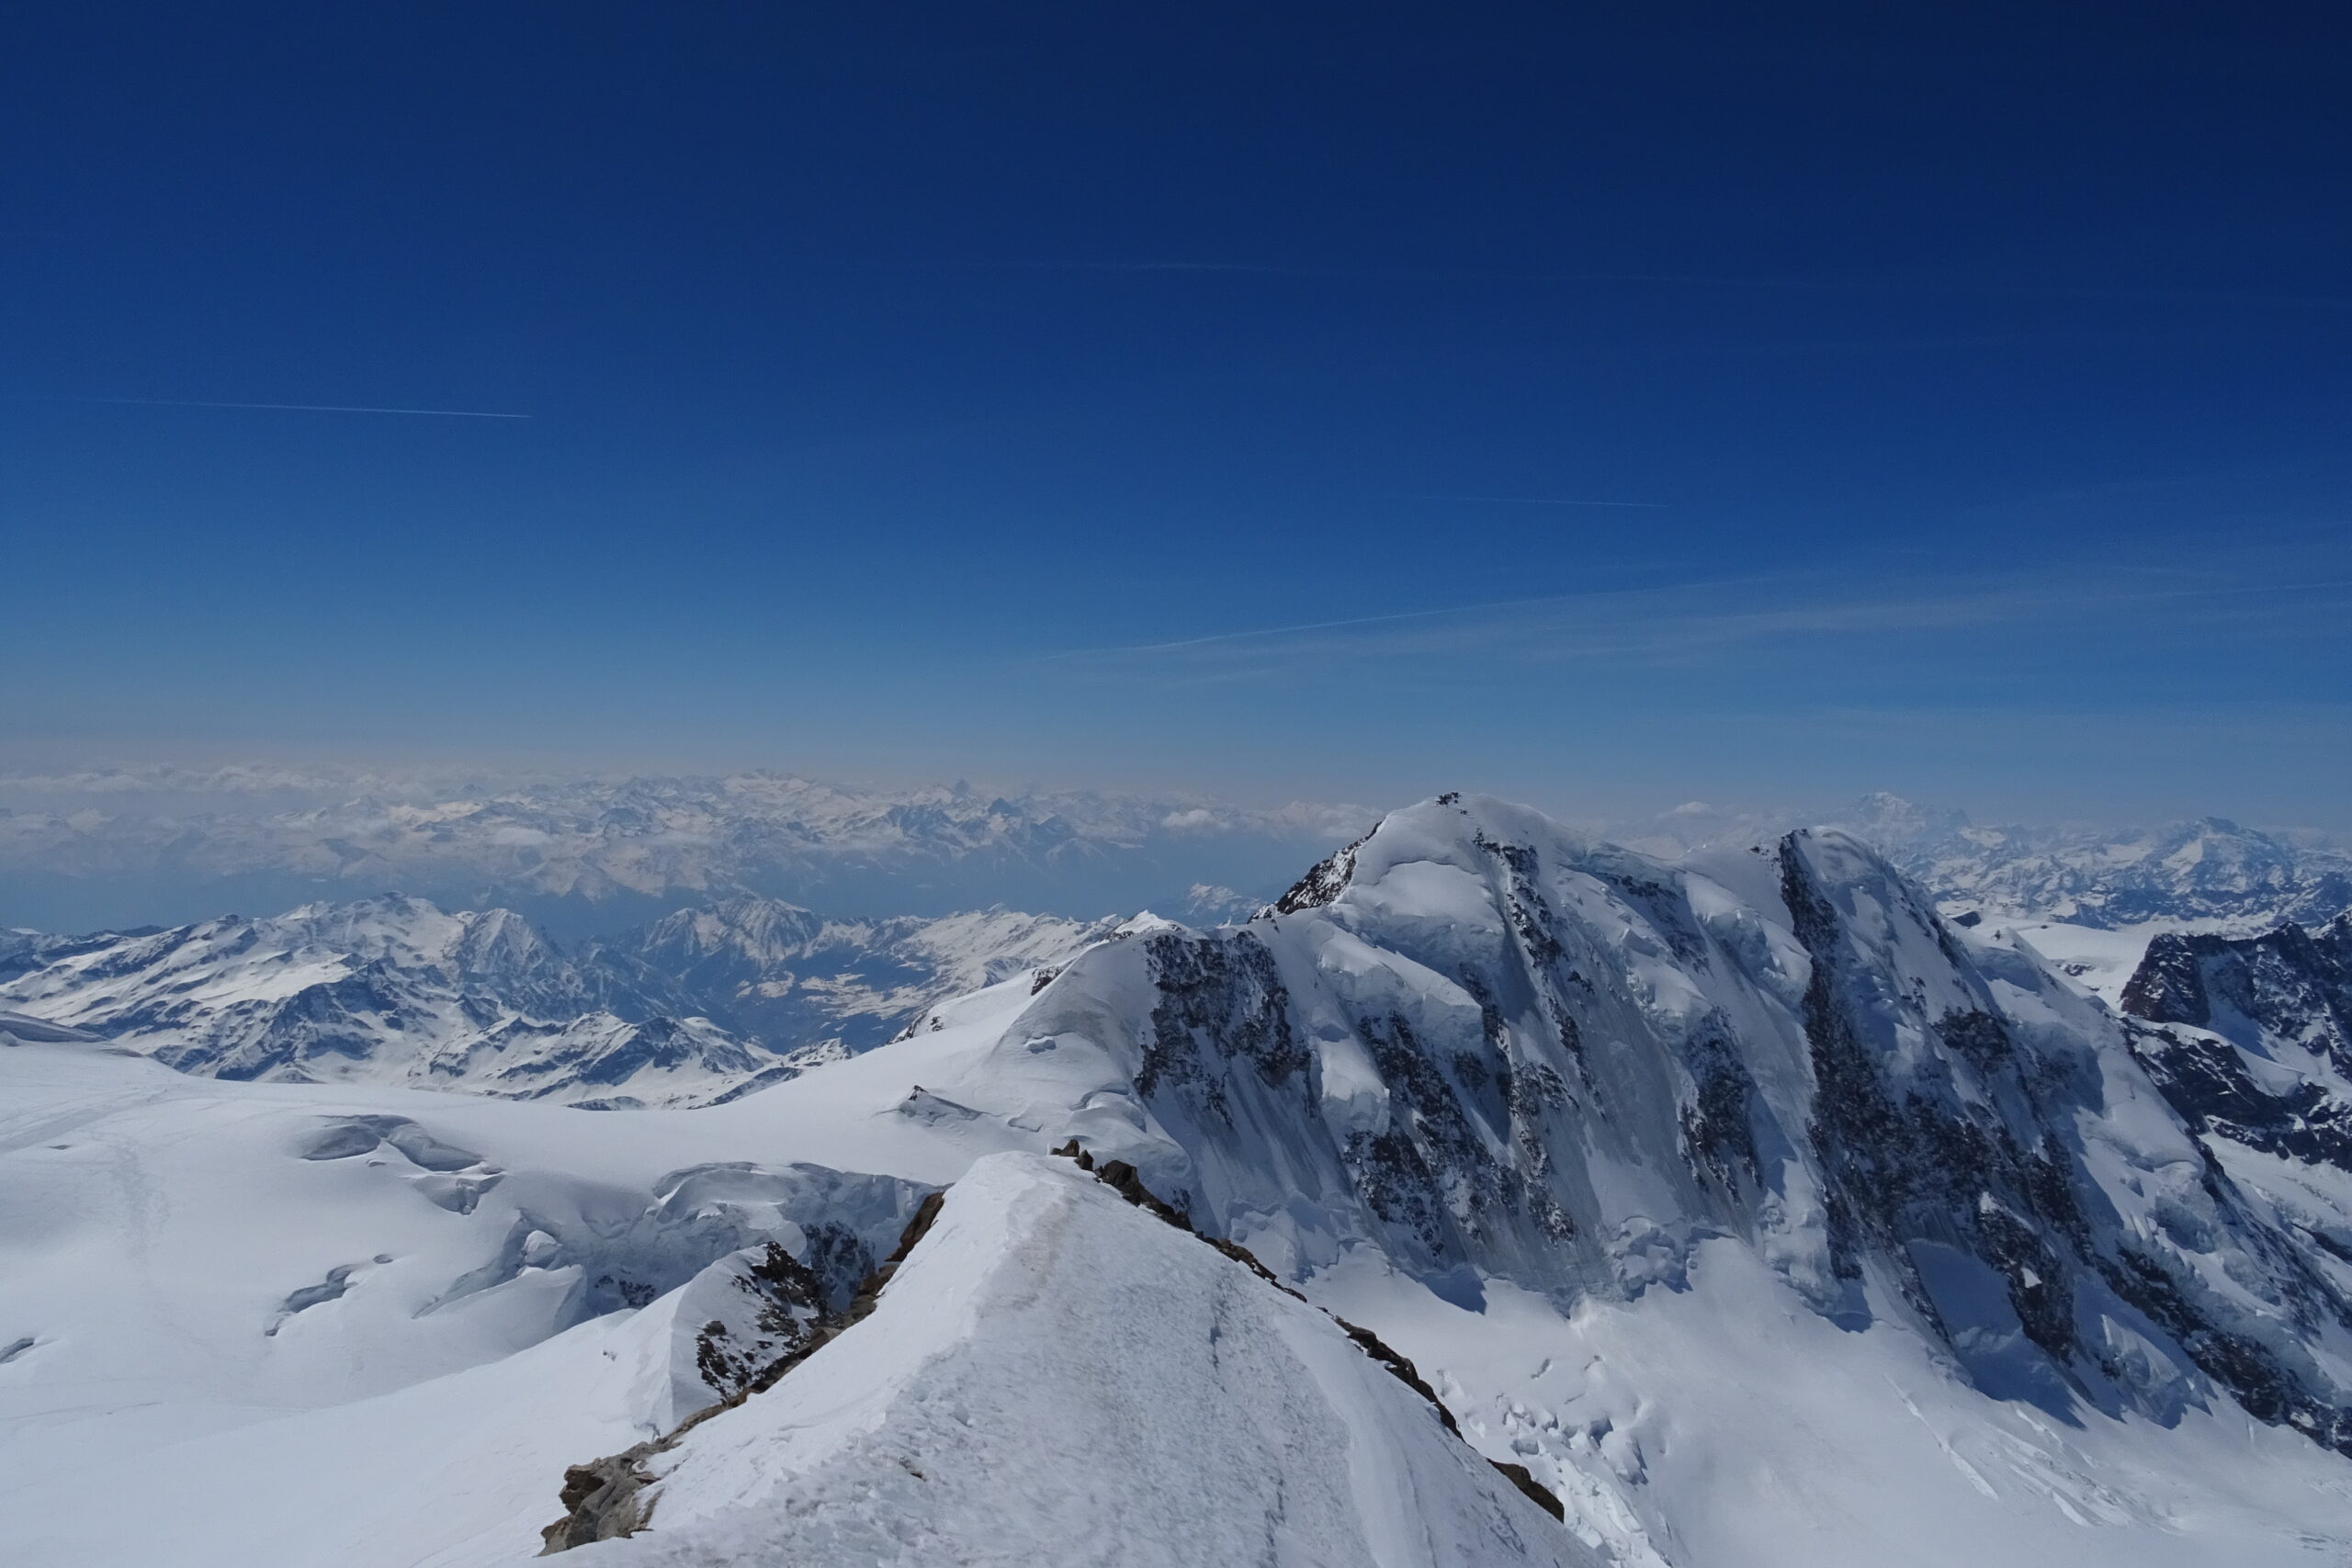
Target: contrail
[2104, 599]
[1537, 500]
[1318, 626]
[285, 408]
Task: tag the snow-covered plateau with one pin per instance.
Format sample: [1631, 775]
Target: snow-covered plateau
[1754, 1211]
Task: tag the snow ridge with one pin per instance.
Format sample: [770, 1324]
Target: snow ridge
[1069, 1318]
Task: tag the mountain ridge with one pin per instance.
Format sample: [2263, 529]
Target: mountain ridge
[396, 990]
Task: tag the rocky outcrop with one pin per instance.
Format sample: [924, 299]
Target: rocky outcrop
[2290, 988]
[614, 1496]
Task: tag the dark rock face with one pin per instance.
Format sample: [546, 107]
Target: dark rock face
[1718, 1125]
[786, 1299]
[1220, 1000]
[2289, 986]
[2209, 1083]
[2228, 1013]
[1913, 1161]
[611, 1497]
[1991, 1172]
[1321, 883]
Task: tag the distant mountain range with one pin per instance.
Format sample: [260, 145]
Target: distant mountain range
[700, 1006]
[588, 856]
[2210, 870]
[544, 989]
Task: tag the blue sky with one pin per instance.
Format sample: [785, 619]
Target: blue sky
[1210, 397]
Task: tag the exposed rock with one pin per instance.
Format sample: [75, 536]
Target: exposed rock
[614, 1496]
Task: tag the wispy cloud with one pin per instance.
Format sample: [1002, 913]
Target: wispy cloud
[1535, 501]
[282, 408]
[1702, 622]
[1949, 287]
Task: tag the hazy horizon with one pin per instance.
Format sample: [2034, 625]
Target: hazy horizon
[248, 778]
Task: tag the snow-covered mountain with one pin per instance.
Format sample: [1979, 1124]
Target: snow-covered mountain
[388, 990]
[2210, 870]
[1495, 1052]
[2250, 1040]
[1115, 1430]
[793, 979]
[704, 1004]
[1760, 1214]
[591, 855]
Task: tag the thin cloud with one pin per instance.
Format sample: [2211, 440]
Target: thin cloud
[285, 408]
[1535, 501]
[1948, 288]
[1663, 625]
[1265, 632]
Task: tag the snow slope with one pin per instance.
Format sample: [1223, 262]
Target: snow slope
[1057, 1378]
[296, 1325]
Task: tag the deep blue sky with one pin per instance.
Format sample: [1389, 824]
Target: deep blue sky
[1019, 391]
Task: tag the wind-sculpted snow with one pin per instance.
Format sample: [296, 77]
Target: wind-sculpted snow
[1055, 1378]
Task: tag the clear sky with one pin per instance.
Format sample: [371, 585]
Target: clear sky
[1601, 404]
